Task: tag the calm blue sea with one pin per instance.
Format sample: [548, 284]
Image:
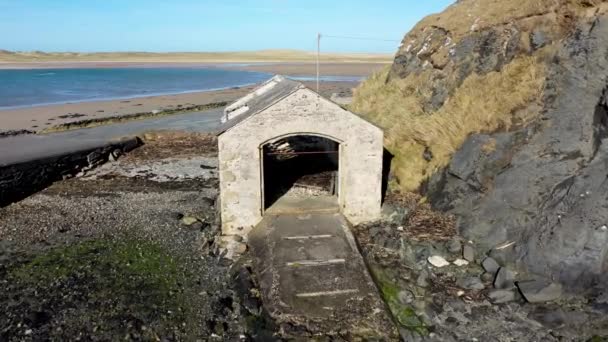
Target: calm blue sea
[22, 88]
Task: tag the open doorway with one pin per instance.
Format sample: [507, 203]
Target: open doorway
[299, 168]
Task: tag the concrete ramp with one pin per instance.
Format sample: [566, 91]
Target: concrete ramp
[313, 277]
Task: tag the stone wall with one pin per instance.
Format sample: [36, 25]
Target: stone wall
[18, 181]
[303, 112]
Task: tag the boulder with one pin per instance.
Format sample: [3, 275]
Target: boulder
[539, 290]
[504, 279]
[490, 265]
[501, 296]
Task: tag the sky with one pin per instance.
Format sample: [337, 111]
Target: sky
[204, 25]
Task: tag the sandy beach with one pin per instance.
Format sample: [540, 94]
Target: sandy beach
[40, 117]
[284, 68]
[309, 69]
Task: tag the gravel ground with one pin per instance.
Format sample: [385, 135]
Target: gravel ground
[108, 255]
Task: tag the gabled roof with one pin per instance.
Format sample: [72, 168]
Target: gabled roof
[262, 97]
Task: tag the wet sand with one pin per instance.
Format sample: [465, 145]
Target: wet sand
[284, 68]
[309, 69]
[40, 117]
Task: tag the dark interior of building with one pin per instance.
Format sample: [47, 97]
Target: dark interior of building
[302, 165]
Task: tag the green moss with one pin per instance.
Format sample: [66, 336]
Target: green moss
[124, 258]
[405, 315]
[598, 339]
[111, 281]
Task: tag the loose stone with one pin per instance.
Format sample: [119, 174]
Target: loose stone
[490, 265]
[423, 279]
[460, 262]
[504, 278]
[189, 220]
[438, 261]
[471, 283]
[468, 253]
[487, 277]
[454, 246]
[539, 290]
[405, 297]
[501, 296]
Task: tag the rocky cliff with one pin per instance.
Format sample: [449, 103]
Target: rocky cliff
[497, 111]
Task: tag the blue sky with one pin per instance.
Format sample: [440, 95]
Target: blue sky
[203, 25]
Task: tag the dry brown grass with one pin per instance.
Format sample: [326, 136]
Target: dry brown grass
[470, 15]
[170, 144]
[483, 103]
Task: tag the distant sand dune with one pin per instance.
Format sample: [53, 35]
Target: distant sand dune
[190, 57]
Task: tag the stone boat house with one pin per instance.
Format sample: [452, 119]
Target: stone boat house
[283, 147]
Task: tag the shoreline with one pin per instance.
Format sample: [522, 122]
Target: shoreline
[121, 98]
[303, 79]
[41, 117]
[291, 68]
[44, 117]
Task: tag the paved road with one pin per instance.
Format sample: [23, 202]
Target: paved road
[311, 271]
[24, 148]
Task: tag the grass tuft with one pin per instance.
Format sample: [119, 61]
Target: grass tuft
[483, 103]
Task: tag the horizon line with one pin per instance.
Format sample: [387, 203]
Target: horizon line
[312, 52]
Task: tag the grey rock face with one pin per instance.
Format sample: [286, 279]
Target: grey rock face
[539, 290]
[538, 39]
[481, 52]
[490, 265]
[543, 187]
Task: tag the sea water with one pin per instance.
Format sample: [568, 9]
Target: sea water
[34, 87]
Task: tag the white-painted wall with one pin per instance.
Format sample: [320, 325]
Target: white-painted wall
[302, 112]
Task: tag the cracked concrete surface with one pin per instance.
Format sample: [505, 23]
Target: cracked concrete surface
[313, 277]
